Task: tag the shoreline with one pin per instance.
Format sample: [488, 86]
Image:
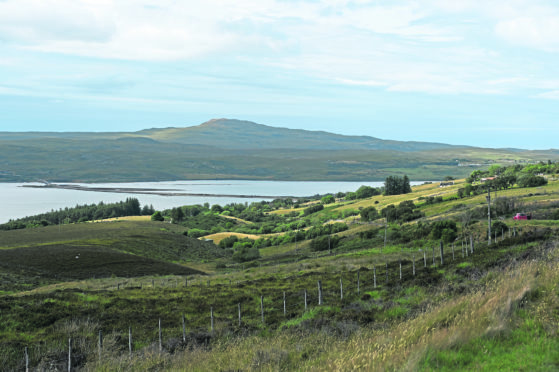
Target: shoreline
[158, 192]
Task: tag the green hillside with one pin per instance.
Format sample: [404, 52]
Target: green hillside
[328, 289]
[231, 149]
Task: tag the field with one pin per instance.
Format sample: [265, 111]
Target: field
[381, 300]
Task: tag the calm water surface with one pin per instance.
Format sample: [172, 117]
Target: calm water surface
[18, 202]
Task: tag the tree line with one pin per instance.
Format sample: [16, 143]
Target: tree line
[82, 213]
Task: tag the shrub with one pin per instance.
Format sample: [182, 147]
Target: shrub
[529, 180]
[313, 209]
[244, 254]
[157, 216]
[196, 233]
[324, 243]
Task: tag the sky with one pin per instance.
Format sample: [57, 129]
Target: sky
[469, 72]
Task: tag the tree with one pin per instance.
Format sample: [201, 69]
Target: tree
[394, 185]
[366, 192]
[328, 199]
[177, 215]
[157, 216]
[369, 214]
[529, 180]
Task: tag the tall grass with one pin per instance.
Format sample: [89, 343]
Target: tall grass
[493, 327]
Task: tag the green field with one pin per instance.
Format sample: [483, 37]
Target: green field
[493, 309]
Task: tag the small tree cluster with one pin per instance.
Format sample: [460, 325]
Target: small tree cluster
[394, 185]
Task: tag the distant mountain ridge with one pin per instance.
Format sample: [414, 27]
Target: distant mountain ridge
[237, 134]
[236, 149]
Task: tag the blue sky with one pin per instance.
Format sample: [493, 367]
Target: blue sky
[482, 73]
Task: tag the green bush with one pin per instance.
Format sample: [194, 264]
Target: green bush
[157, 216]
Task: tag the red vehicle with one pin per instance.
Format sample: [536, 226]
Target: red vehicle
[522, 216]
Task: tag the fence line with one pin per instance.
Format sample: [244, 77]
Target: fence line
[298, 301]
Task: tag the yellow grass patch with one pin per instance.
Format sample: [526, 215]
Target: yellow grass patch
[222, 235]
[127, 218]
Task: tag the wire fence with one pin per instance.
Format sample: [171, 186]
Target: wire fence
[269, 308]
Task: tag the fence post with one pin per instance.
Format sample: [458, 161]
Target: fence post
[153, 283]
[100, 343]
[452, 251]
[160, 340]
[341, 289]
[69, 355]
[183, 329]
[414, 265]
[26, 360]
[305, 300]
[239, 306]
[185, 281]
[284, 307]
[129, 340]
[319, 292]
[375, 276]
[400, 269]
[434, 256]
[424, 258]
[262, 308]
[212, 318]
[358, 283]
[471, 244]
[442, 253]
[387, 272]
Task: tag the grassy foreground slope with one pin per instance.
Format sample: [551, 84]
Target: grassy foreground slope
[393, 306]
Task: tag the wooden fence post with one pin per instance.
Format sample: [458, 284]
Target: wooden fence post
[452, 251]
[284, 305]
[375, 276]
[341, 289]
[100, 343]
[358, 283]
[305, 300]
[212, 318]
[400, 269]
[69, 355]
[183, 329]
[471, 244]
[185, 281]
[239, 306]
[387, 272]
[26, 360]
[424, 258]
[129, 340]
[414, 265]
[262, 308]
[319, 292]
[442, 253]
[160, 339]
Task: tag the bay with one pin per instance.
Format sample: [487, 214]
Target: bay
[17, 201]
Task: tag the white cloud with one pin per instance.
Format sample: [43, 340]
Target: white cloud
[554, 94]
[435, 46]
[540, 33]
